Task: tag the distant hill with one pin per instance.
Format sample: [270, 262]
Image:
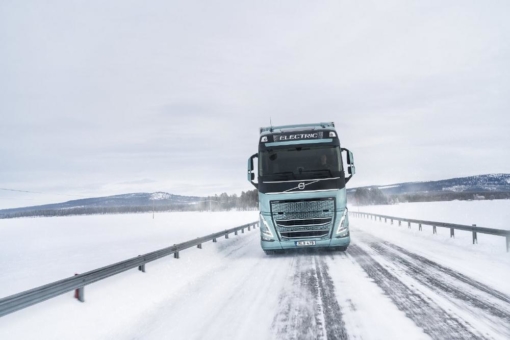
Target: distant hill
[493, 186]
[110, 204]
[496, 186]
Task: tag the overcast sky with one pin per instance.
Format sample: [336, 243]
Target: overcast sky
[108, 97]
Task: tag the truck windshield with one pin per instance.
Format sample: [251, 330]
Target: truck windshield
[300, 162]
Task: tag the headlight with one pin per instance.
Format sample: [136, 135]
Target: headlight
[267, 234]
[342, 230]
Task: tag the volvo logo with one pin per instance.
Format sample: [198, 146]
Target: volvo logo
[301, 186]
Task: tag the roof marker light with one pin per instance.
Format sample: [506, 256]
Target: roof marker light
[332, 134]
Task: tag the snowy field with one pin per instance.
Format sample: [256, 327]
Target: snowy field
[392, 283]
[489, 214]
[36, 251]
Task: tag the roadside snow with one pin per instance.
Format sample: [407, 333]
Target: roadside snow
[36, 251]
[486, 213]
[487, 261]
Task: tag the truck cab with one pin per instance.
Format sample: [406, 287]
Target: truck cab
[301, 184]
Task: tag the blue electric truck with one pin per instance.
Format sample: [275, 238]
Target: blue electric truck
[301, 184]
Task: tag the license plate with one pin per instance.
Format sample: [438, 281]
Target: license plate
[305, 243]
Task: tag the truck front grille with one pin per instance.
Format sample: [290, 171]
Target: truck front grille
[305, 222]
[300, 219]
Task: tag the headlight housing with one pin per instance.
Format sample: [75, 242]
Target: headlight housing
[266, 233]
[342, 230]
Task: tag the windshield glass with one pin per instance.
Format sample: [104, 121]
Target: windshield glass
[300, 162]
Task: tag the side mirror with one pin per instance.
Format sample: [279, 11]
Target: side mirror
[351, 169]
[350, 158]
[251, 175]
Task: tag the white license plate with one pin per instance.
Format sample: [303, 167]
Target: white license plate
[305, 243]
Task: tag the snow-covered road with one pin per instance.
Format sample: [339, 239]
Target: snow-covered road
[390, 284]
[374, 290]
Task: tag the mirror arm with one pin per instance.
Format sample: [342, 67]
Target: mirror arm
[347, 179]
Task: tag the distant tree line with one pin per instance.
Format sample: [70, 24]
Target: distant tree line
[448, 196]
[374, 196]
[246, 201]
[367, 196]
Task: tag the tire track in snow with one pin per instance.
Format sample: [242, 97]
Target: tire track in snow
[297, 318]
[456, 275]
[309, 308]
[429, 277]
[429, 274]
[426, 314]
[335, 326]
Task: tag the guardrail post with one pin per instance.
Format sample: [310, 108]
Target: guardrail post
[409, 225]
[385, 220]
[235, 233]
[507, 243]
[399, 223]
[214, 240]
[176, 254]
[475, 236]
[141, 267]
[79, 293]
[226, 235]
[248, 228]
[452, 233]
[242, 231]
[419, 227]
[392, 221]
[199, 246]
[380, 218]
[434, 230]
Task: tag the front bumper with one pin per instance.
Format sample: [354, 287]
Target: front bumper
[279, 245]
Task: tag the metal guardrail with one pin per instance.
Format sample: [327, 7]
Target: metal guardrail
[474, 229]
[30, 297]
